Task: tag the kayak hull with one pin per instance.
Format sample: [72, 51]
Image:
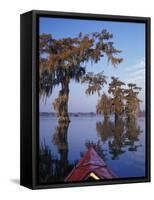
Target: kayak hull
[91, 166]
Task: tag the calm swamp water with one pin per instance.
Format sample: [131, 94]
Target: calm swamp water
[121, 145]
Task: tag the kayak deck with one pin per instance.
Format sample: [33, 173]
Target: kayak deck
[92, 167]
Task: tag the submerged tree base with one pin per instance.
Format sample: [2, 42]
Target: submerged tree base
[64, 120]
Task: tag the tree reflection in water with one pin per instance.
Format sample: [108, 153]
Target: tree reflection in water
[116, 146]
[121, 135]
[105, 129]
[52, 169]
[132, 134]
[60, 140]
[45, 163]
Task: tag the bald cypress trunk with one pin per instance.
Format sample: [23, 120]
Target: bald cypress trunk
[63, 110]
[116, 118]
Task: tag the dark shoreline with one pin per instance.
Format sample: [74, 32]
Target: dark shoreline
[80, 114]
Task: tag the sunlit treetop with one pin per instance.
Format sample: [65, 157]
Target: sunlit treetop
[71, 51]
[104, 105]
[66, 58]
[115, 85]
[95, 82]
[117, 91]
[132, 99]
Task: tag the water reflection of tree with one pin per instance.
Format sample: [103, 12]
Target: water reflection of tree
[105, 129]
[51, 168]
[45, 163]
[132, 134]
[60, 140]
[117, 143]
[120, 135]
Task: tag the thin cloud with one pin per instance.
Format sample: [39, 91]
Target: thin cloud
[137, 67]
[136, 74]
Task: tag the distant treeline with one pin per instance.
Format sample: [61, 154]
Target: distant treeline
[141, 113]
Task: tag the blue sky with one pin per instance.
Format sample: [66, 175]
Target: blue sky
[128, 37]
